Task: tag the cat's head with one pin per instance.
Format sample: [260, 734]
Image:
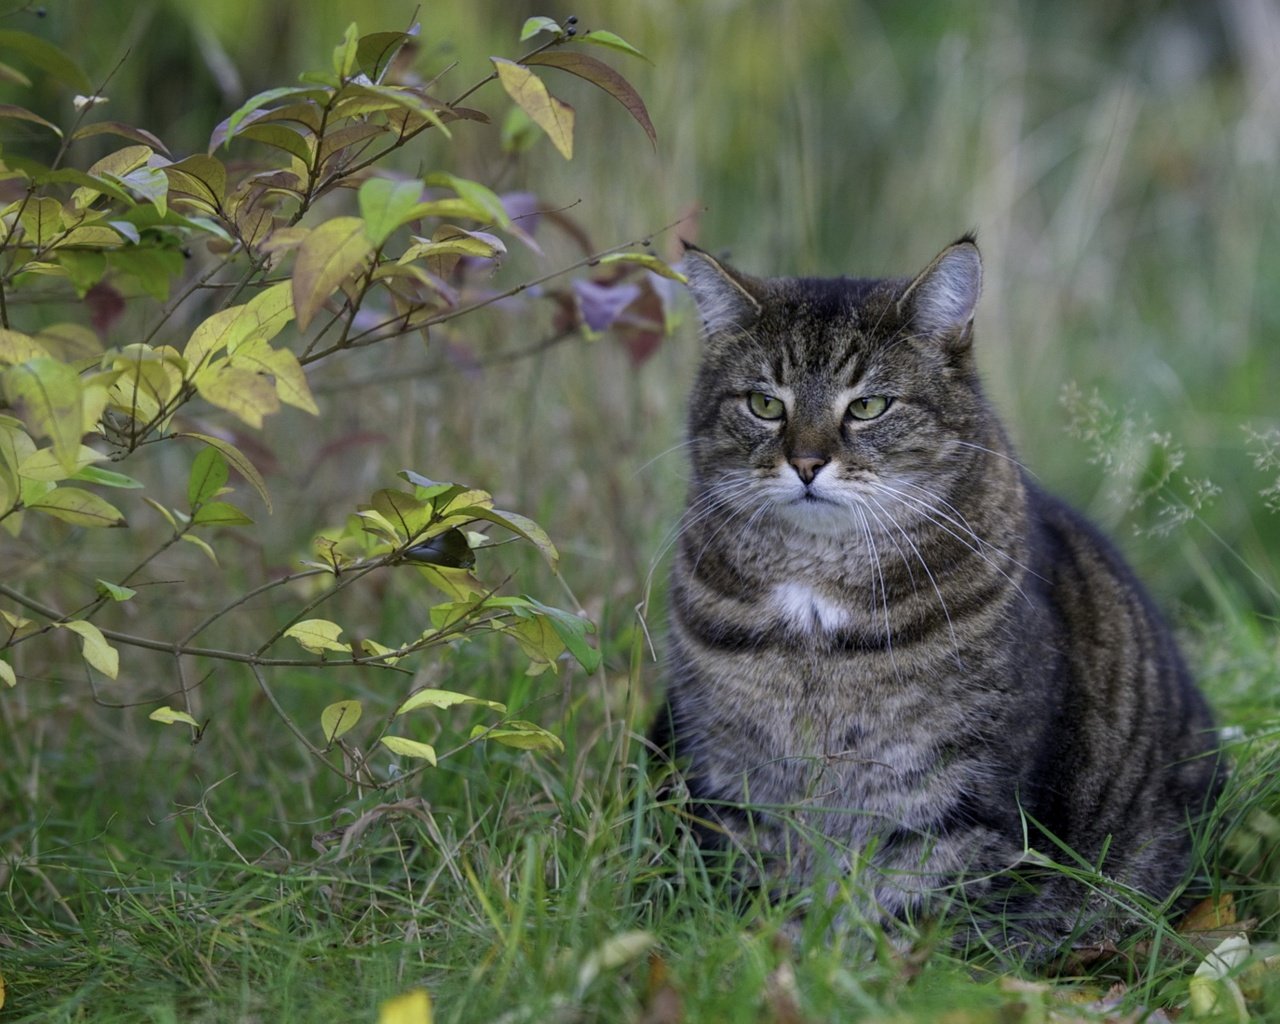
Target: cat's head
[823, 401]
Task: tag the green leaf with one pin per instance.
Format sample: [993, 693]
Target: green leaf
[410, 748]
[280, 137]
[376, 51]
[326, 258]
[402, 97]
[344, 54]
[237, 460]
[318, 636]
[530, 94]
[602, 76]
[444, 699]
[572, 631]
[474, 193]
[200, 178]
[46, 57]
[219, 513]
[339, 718]
[386, 205]
[8, 110]
[263, 98]
[523, 735]
[105, 478]
[207, 478]
[83, 508]
[49, 395]
[115, 591]
[171, 716]
[94, 647]
[518, 524]
[533, 26]
[613, 41]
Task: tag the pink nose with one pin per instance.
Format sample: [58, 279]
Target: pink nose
[807, 466]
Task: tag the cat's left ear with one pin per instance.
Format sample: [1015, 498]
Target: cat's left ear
[941, 301]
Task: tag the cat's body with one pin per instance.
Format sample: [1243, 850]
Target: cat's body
[892, 654]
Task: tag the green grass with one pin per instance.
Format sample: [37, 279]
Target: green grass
[1126, 205]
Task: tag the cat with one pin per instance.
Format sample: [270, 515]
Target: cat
[893, 657]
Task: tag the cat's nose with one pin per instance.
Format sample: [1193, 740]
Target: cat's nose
[807, 466]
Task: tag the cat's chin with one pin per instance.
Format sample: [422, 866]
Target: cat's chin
[816, 516]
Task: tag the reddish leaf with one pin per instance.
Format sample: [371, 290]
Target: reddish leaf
[599, 74]
[106, 306]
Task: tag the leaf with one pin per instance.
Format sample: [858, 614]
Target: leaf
[8, 110]
[237, 460]
[339, 718]
[613, 41]
[280, 137]
[414, 1007]
[245, 394]
[602, 304]
[646, 260]
[475, 194]
[16, 347]
[219, 513]
[522, 735]
[105, 478]
[94, 647]
[602, 76]
[171, 716]
[207, 477]
[325, 259]
[530, 95]
[46, 57]
[45, 465]
[282, 365]
[125, 131]
[410, 748]
[83, 508]
[521, 525]
[376, 51]
[616, 951]
[1209, 915]
[115, 591]
[572, 631]
[444, 699]
[200, 178]
[533, 26]
[202, 544]
[1213, 992]
[50, 397]
[10, 679]
[318, 636]
[263, 98]
[386, 205]
[344, 54]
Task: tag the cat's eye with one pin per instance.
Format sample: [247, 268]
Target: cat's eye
[765, 406]
[869, 407]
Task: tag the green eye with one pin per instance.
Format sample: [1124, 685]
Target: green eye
[869, 408]
[766, 406]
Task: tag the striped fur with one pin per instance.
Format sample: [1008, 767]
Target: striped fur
[918, 666]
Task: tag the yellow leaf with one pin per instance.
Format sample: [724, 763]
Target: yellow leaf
[290, 381]
[414, 1007]
[249, 396]
[94, 647]
[170, 716]
[325, 259]
[202, 544]
[10, 679]
[83, 508]
[318, 635]
[548, 113]
[16, 347]
[44, 464]
[1210, 914]
[444, 699]
[410, 748]
[339, 718]
[50, 398]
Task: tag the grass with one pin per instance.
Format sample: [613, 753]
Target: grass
[1126, 208]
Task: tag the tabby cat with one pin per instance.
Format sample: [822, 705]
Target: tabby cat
[893, 656]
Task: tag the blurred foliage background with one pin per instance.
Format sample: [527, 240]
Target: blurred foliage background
[1119, 163]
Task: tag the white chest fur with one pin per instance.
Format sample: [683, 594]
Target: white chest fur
[804, 608]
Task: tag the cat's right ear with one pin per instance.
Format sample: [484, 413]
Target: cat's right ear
[941, 301]
[725, 298]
